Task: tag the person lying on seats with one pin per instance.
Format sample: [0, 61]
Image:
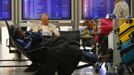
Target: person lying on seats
[62, 56]
[29, 41]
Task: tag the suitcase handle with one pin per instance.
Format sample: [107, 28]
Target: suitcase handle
[131, 35]
[129, 21]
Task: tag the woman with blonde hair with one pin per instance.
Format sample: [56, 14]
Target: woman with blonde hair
[121, 9]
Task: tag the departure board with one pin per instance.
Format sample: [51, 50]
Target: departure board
[5, 9]
[97, 8]
[56, 9]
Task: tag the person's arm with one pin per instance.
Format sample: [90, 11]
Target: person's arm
[25, 43]
[85, 34]
[29, 28]
[40, 28]
[54, 30]
[35, 35]
[117, 10]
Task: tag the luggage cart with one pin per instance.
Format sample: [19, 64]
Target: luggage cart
[126, 47]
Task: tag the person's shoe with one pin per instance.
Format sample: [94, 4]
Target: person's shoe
[39, 71]
[33, 67]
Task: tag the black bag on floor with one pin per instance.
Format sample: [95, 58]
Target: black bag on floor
[89, 57]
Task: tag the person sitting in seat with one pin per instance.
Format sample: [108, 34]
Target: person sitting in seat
[47, 29]
[28, 40]
[62, 56]
[88, 33]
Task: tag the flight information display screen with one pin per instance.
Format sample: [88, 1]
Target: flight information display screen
[56, 9]
[97, 8]
[5, 9]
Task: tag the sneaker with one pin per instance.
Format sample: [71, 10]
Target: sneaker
[33, 67]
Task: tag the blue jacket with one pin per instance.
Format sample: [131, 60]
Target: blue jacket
[32, 40]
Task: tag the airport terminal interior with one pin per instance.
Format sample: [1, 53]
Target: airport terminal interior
[102, 30]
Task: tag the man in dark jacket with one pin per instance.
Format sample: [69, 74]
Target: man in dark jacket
[61, 56]
[28, 40]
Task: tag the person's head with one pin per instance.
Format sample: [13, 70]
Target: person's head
[116, 1]
[90, 23]
[17, 32]
[44, 19]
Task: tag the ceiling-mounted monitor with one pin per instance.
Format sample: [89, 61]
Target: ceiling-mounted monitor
[97, 8]
[5, 10]
[56, 9]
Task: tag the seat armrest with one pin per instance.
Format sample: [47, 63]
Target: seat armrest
[7, 42]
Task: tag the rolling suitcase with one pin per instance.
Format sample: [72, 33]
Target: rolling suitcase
[126, 45]
[126, 29]
[128, 57]
[127, 51]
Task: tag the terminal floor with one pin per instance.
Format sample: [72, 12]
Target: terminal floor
[7, 69]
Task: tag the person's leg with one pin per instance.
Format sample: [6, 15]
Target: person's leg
[67, 65]
[49, 69]
[68, 61]
[36, 60]
[50, 64]
[32, 67]
[46, 69]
